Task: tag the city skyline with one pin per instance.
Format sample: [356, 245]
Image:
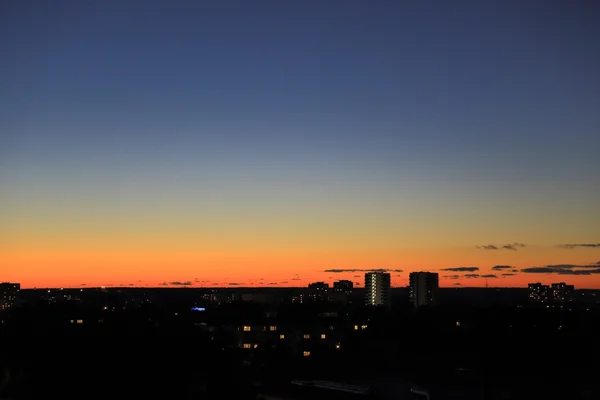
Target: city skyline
[277, 144]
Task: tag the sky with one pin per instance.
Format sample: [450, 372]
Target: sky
[268, 143]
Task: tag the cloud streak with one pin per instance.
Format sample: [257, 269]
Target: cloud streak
[502, 267]
[461, 269]
[451, 276]
[180, 283]
[510, 246]
[579, 246]
[338, 271]
[565, 269]
[513, 246]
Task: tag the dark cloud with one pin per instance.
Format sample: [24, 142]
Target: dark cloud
[461, 269]
[82, 284]
[131, 284]
[511, 246]
[471, 276]
[163, 284]
[457, 284]
[362, 270]
[565, 269]
[581, 272]
[559, 271]
[139, 281]
[579, 245]
[295, 279]
[508, 274]
[501, 267]
[272, 283]
[180, 283]
[284, 282]
[451, 276]
[489, 276]
[357, 276]
[539, 270]
[261, 279]
[234, 284]
[514, 270]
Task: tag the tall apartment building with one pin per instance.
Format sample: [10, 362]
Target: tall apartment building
[562, 293]
[377, 289]
[556, 293]
[8, 294]
[343, 286]
[318, 291]
[424, 288]
[538, 293]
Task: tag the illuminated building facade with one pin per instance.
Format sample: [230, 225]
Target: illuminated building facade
[377, 288]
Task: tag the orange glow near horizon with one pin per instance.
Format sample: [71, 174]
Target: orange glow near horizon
[71, 244]
[155, 267]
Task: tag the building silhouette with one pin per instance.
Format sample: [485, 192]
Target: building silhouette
[424, 287]
[538, 293]
[377, 289]
[555, 293]
[318, 291]
[562, 293]
[343, 286]
[8, 294]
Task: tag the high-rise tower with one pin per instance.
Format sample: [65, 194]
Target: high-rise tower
[423, 288]
[377, 288]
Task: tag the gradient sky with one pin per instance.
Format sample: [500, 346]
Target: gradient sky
[265, 142]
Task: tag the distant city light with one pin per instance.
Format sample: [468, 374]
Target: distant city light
[198, 309]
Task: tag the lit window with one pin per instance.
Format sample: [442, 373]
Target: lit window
[247, 328]
[323, 336]
[355, 327]
[256, 346]
[80, 321]
[72, 321]
[363, 327]
[272, 328]
[306, 336]
[457, 323]
[247, 345]
[282, 336]
[306, 353]
[337, 346]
